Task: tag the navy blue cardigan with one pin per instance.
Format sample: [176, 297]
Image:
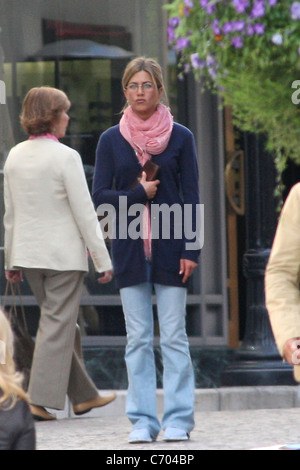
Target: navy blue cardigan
[116, 168]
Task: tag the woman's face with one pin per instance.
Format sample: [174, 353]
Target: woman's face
[61, 125]
[142, 94]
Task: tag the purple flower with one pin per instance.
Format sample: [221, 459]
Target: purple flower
[240, 5]
[210, 61]
[259, 28]
[210, 8]
[212, 72]
[216, 28]
[258, 9]
[171, 35]
[237, 42]
[212, 66]
[295, 11]
[272, 2]
[182, 43]
[189, 3]
[196, 62]
[174, 22]
[227, 27]
[231, 26]
[249, 29]
[238, 25]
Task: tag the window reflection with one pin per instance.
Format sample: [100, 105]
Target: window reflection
[82, 48]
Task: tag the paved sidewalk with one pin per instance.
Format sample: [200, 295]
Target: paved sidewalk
[236, 428]
[223, 430]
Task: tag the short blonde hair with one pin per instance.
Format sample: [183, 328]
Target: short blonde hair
[149, 65]
[10, 380]
[41, 108]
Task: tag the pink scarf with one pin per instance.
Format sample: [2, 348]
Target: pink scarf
[150, 137]
[44, 136]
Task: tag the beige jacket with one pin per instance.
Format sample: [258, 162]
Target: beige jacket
[49, 216]
[283, 274]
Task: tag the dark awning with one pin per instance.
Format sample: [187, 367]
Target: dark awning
[81, 48]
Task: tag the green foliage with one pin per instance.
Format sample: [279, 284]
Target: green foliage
[248, 52]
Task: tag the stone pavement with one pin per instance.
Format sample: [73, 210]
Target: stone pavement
[223, 430]
[244, 418]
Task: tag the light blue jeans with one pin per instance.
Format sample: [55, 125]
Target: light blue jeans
[178, 375]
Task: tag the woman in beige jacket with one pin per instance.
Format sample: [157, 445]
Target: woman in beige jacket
[49, 223]
[282, 281]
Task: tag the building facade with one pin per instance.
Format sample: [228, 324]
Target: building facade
[82, 47]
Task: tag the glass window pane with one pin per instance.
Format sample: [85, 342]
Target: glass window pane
[33, 74]
[92, 81]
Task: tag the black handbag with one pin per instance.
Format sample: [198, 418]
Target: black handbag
[23, 342]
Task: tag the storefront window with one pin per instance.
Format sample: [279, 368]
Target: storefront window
[81, 47]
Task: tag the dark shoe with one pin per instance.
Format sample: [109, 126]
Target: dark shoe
[41, 414]
[97, 402]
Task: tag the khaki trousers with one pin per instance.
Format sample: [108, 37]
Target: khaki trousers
[58, 368]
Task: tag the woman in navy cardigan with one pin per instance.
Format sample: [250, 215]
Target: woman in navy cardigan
[154, 246]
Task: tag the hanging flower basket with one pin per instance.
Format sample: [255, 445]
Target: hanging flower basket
[248, 51]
